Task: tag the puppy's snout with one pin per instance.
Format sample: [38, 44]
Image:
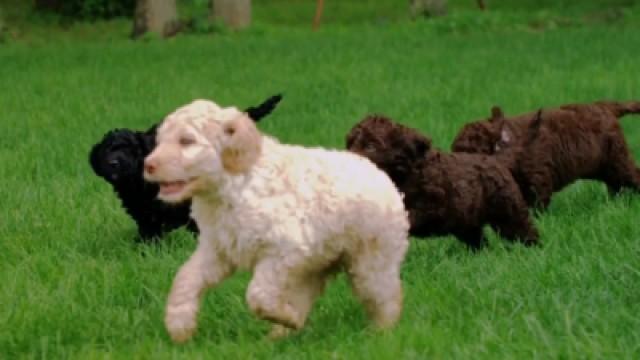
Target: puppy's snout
[149, 166]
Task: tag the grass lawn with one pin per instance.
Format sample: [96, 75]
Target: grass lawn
[75, 285]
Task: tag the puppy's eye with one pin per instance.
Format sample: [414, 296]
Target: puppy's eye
[185, 141]
[370, 148]
[114, 162]
[230, 130]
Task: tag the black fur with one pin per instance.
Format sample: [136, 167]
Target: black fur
[119, 159]
[258, 112]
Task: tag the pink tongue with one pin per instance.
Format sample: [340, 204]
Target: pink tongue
[172, 187]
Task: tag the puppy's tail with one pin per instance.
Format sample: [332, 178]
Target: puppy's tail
[620, 109]
[258, 112]
[534, 128]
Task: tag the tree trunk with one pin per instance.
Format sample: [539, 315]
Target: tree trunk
[428, 8]
[3, 30]
[158, 16]
[51, 5]
[236, 14]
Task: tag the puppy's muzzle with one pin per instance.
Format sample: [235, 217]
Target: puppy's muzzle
[149, 166]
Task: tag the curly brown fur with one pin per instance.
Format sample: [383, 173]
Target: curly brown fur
[575, 141]
[445, 193]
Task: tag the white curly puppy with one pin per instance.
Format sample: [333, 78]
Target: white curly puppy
[291, 215]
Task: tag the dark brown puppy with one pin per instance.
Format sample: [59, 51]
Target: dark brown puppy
[576, 141]
[445, 193]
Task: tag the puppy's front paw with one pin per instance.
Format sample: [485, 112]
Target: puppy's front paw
[279, 332]
[181, 322]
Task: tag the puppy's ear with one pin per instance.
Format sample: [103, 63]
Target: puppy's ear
[496, 114]
[351, 137]
[415, 144]
[147, 140]
[242, 145]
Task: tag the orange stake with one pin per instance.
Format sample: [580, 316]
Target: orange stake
[316, 19]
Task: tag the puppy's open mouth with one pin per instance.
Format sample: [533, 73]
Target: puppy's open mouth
[172, 187]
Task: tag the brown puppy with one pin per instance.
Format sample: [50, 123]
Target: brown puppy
[445, 193]
[577, 141]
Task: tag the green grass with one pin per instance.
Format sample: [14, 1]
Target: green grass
[75, 286]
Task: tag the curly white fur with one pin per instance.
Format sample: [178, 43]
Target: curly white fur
[291, 215]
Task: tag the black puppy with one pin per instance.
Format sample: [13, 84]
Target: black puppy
[119, 159]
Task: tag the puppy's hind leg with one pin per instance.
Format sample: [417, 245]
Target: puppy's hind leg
[266, 294]
[620, 170]
[380, 292]
[374, 271]
[511, 218]
[474, 238]
[301, 295]
[535, 181]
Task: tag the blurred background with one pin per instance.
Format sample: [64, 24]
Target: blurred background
[43, 20]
